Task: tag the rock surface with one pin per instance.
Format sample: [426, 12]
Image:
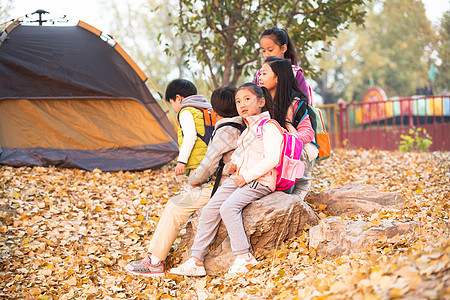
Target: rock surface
[268, 221]
[334, 236]
[280, 216]
[356, 198]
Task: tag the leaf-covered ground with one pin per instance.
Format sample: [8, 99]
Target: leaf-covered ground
[66, 234]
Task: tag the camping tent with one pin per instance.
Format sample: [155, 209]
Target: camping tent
[71, 97]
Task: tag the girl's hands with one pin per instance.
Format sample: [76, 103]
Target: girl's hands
[290, 113]
[230, 168]
[179, 169]
[239, 181]
[290, 128]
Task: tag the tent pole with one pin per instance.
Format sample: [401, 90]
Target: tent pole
[175, 124]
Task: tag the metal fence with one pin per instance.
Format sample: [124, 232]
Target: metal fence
[380, 124]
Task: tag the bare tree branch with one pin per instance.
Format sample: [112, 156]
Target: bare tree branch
[202, 43]
[291, 15]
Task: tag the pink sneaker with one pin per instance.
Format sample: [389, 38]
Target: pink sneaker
[189, 268]
[144, 267]
[240, 265]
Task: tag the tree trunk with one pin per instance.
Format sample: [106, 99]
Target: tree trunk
[228, 63]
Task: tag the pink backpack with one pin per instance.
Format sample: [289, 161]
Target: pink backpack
[290, 168]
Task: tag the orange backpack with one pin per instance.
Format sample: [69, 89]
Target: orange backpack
[209, 120]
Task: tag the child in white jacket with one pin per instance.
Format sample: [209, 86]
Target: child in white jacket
[252, 165]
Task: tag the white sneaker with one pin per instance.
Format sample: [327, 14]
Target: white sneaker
[240, 265]
[189, 268]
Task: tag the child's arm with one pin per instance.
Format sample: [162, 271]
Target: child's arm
[189, 137]
[224, 140]
[272, 139]
[302, 83]
[305, 132]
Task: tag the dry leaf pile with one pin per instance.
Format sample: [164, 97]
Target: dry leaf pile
[67, 234]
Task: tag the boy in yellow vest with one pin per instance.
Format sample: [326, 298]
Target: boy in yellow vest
[182, 95]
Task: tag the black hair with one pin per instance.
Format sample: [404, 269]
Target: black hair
[287, 88]
[280, 37]
[181, 87]
[259, 92]
[222, 101]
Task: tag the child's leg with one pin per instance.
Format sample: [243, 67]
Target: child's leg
[176, 213]
[210, 219]
[231, 213]
[303, 184]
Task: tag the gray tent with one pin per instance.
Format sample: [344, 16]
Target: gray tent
[71, 98]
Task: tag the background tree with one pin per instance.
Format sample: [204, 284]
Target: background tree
[393, 50]
[223, 36]
[143, 29]
[443, 49]
[337, 64]
[5, 6]
[404, 38]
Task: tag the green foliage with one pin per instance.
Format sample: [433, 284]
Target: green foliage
[345, 144]
[418, 140]
[443, 48]
[223, 36]
[403, 38]
[393, 50]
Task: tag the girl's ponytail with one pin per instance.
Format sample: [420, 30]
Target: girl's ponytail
[269, 102]
[290, 51]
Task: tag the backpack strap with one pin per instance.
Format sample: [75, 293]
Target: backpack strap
[311, 101]
[262, 123]
[300, 113]
[219, 169]
[260, 126]
[313, 119]
[241, 127]
[207, 115]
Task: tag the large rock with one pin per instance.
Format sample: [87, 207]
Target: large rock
[357, 198]
[334, 236]
[268, 222]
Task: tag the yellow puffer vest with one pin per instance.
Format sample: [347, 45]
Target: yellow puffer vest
[200, 147]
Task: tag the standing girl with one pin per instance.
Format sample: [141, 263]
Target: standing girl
[252, 165]
[276, 42]
[277, 77]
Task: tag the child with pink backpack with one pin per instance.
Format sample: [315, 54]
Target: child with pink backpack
[253, 177]
[290, 109]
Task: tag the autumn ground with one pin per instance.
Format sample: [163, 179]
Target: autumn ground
[66, 234]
